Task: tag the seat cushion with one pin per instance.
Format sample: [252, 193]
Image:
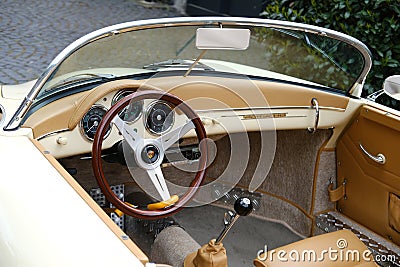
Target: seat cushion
[340, 248]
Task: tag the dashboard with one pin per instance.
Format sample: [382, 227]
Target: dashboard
[67, 126]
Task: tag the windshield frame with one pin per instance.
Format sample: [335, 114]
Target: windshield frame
[16, 119]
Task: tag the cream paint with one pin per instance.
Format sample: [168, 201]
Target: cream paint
[44, 221]
[10, 107]
[17, 92]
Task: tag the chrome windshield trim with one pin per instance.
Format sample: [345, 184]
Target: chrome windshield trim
[14, 122]
[2, 115]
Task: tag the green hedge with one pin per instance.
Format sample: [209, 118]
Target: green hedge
[374, 22]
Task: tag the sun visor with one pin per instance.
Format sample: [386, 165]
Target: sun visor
[222, 38]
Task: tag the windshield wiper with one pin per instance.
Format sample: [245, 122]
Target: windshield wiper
[324, 52]
[83, 78]
[177, 64]
[317, 47]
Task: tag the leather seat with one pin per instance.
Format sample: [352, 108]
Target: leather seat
[340, 248]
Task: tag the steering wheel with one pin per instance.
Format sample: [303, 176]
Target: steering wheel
[149, 154]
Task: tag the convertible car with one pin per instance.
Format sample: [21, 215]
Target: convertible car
[207, 141]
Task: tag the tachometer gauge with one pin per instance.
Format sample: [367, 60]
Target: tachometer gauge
[133, 111]
[91, 121]
[159, 117]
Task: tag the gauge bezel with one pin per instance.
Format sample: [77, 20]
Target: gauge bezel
[81, 126]
[147, 111]
[118, 94]
[114, 100]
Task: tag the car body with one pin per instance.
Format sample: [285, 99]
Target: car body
[135, 124]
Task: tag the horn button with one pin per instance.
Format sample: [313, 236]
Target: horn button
[150, 154]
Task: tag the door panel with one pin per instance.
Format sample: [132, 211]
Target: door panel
[369, 184]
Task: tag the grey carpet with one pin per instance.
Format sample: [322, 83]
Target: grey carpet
[246, 238]
[291, 176]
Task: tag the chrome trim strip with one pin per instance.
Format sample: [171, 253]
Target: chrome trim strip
[268, 108]
[263, 116]
[271, 117]
[14, 122]
[51, 133]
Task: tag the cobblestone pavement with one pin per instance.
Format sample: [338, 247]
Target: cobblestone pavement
[33, 32]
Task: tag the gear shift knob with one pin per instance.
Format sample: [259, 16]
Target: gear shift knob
[243, 207]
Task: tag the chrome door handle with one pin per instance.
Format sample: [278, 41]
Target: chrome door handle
[314, 104]
[380, 158]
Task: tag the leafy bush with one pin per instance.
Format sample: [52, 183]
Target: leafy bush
[323, 61]
[374, 22]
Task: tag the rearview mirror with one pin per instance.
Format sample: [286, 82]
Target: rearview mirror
[391, 86]
[222, 38]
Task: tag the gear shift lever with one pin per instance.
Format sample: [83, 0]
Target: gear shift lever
[213, 254]
[243, 207]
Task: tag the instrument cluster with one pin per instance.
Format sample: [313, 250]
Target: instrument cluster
[157, 116]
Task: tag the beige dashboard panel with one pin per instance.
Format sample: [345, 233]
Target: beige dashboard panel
[54, 116]
[242, 93]
[205, 93]
[368, 183]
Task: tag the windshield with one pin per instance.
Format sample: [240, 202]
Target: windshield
[274, 53]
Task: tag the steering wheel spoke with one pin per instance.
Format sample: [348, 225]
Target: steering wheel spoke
[157, 178]
[131, 137]
[168, 139]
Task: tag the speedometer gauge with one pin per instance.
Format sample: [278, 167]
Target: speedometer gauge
[159, 117]
[133, 111]
[91, 121]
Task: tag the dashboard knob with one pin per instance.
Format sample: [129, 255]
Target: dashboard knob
[208, 121]
[62, 141]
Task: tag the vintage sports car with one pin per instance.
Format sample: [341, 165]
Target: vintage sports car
[201, 141]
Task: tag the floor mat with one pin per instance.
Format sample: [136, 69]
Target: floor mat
[244, 240]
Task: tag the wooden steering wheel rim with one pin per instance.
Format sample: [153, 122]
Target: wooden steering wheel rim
[97, 164]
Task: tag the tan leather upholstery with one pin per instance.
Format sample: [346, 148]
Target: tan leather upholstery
[338, 193]
[369, 184]
[334, 249]
[209, 255]
[394, 212]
